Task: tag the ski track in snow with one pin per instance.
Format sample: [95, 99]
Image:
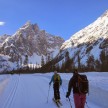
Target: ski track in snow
[31, 91]
[3, 85]
[10, 93]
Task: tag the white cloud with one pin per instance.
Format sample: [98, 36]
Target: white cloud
[2, 23]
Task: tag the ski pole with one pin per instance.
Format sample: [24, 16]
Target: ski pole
[68, 97]
[70, 102]
[48, 93]
[87, 104]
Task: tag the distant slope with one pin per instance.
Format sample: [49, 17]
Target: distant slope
[89, 41]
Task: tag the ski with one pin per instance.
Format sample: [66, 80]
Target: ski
[57, 103]
[60, 103]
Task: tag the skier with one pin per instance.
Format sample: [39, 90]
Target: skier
[79, 98]
[57, 82]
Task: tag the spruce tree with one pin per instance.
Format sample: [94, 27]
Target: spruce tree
[90, 63]
[79, 64]
[104, 60]
[26, 60]
[97, 65]
[42, 61]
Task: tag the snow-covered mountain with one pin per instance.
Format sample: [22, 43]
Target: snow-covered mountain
[6, 64]
[89, 41]
[2, 38]
[30, 40]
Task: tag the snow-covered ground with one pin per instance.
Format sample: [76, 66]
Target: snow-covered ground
[33, 91]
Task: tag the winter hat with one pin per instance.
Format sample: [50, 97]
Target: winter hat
[75, 71]
[55, 72]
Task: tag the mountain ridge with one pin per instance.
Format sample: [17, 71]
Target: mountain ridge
[30, 40]
[90, 41]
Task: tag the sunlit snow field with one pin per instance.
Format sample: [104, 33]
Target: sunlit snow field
[33, 91]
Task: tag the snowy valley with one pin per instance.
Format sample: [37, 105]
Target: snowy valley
[31, 91]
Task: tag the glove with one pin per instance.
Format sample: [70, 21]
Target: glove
[67, 94]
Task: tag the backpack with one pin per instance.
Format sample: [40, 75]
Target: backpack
[83, 84]
[56, 78]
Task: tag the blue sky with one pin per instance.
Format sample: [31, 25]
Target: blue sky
[57, 17]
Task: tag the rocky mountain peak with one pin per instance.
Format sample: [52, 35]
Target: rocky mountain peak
[35, 28]
[29, 25]
[26, 25]
[30, 40]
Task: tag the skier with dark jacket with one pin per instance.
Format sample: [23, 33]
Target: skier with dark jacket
[79, 98]
[57, 81]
